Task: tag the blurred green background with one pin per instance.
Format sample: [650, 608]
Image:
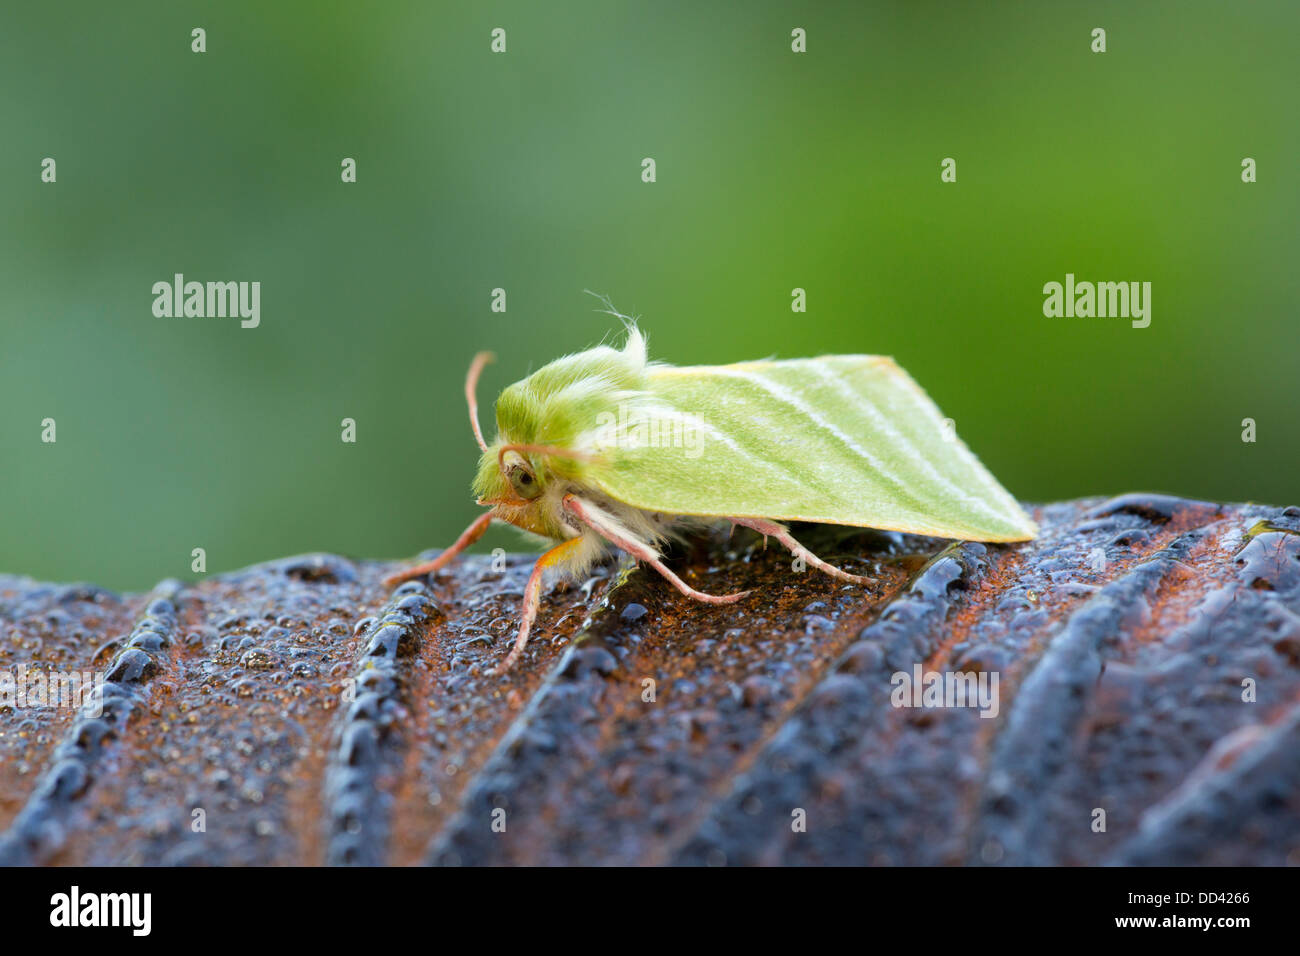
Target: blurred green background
[522, 171]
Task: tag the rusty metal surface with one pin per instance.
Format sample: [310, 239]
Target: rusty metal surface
[298, 713]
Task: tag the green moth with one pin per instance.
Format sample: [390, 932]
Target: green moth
[605, 449]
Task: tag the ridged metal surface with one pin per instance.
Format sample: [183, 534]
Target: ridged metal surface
[299, 713]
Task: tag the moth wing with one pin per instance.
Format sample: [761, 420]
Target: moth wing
[847, 439]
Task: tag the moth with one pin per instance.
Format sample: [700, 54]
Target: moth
[605, 450]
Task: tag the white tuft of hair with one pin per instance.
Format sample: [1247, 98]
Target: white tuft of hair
[635, 346]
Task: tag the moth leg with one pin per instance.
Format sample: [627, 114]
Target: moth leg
[779, 532]
[533, 599]
[643, 552]
[467, 537]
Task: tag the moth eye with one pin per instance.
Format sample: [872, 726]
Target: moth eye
[524, 482]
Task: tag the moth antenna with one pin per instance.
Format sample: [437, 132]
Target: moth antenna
[471, 387]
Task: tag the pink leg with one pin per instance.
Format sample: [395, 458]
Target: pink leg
[467, 537]
[533, 598]
[777, 531]
[641, 552]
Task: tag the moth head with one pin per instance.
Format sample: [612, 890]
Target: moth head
[523, 480]
[513, 483]
[517, 475]
[510, 478]
[513, 476]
